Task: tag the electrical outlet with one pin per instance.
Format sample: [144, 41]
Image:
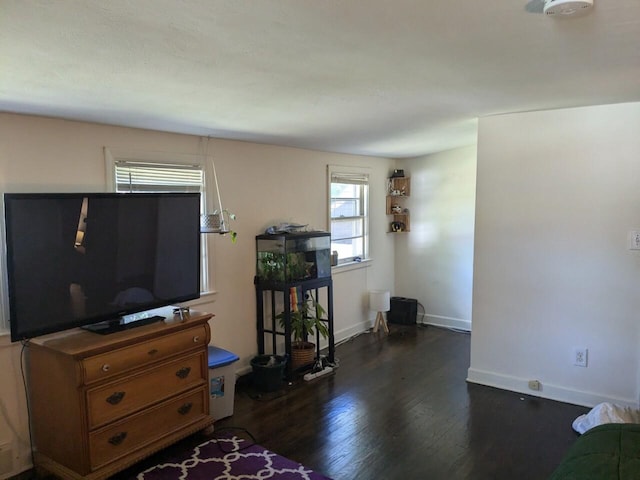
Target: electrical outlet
[534, 385]
[580, 356]
[635, 240]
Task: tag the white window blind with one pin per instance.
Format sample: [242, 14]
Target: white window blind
[140, 177]
[348, 206]
[350, 178]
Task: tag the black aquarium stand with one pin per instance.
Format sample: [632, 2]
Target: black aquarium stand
[267, 325]
[284, 261]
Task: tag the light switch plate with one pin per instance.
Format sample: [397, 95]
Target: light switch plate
[634, 240]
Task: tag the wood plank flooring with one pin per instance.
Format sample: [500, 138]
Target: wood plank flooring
[398, 407]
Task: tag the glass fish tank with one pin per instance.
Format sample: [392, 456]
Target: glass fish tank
[293, 257]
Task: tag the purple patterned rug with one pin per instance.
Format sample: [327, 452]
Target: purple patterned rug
[229, 458]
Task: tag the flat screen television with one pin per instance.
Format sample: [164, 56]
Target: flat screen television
[88, 259]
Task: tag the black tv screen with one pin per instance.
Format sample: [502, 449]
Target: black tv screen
[78, 259]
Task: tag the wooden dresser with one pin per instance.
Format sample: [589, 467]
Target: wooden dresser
[100, 403]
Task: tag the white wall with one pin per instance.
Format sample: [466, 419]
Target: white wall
[558, 193]
[434, 262]
[261, 184]
[14, 422]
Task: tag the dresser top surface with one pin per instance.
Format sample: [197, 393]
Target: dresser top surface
[77, 342]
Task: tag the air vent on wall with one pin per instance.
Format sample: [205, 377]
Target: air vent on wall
[567, 8]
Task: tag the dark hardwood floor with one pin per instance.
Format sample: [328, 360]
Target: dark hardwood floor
[399, 408]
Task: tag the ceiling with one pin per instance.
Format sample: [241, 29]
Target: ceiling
[375, 77]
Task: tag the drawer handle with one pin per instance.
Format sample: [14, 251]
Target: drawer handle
[106, 367]
[153, 352]
[183, 372]
[118, 438]
[115, 398]
[196, 339]
[185, 408]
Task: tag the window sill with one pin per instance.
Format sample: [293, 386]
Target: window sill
[205, 297]
[347, 267]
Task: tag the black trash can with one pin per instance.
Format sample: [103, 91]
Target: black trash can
[268, 372]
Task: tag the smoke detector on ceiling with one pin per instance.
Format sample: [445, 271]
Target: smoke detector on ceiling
[567, 8]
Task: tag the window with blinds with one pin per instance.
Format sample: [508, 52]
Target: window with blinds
[146, 176]
[140, 177]
[348, 207]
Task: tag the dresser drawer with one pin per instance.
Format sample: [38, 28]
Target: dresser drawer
[115, 400]
[100, 367]
[136, 432]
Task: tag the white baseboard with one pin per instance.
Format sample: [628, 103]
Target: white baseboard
[551, 392]
[447, 322]
[347, 333]
[8, 467]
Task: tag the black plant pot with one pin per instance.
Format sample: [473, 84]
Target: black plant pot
[268, 372]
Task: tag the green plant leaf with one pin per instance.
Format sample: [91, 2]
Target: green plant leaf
[303, 323]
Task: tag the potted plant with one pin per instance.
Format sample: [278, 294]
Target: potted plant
[226, 224]
[268, 371]
[306, 319]
[217, 223]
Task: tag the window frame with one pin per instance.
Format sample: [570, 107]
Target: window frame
[114, 156]
[354, 176]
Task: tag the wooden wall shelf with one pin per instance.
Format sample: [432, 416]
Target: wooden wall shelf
[398, 190]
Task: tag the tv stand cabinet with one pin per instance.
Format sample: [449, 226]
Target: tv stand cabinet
[100, 403]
